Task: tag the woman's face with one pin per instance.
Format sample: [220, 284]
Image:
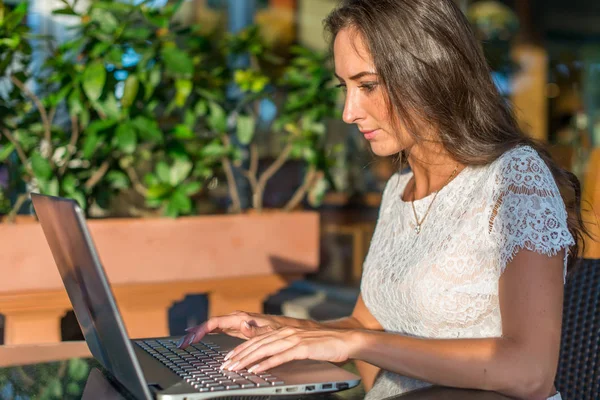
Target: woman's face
[365, 103]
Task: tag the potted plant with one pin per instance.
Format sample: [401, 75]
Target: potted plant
[154, 114]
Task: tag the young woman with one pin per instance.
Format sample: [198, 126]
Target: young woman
[463, 283]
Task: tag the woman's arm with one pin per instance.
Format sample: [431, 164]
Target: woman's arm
[521, 363]
[361, 318]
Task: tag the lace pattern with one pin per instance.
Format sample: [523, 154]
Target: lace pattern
[443, 282]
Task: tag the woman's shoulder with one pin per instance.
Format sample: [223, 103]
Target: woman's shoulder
[522, 166]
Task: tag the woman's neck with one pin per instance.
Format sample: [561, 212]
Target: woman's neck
[432, 169]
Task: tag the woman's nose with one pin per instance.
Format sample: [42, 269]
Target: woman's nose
[351, 110]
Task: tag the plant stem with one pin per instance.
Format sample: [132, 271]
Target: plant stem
[251, 173]
[19, 150]
[137, 184]
[42, 110]
[309, 180]
[71, 146]
[97, 176]
[273, 168]
[13, 212]
[235, 196]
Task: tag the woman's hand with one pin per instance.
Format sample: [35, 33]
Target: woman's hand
[239, 324]
[287, 344]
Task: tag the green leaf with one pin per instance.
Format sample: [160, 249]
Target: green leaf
[130, 90]
[183, 132]
[105, 19]
[214, 149]
[117, 179]
[111, 107]
[99, 49]
[68, 184]
[40, 166]
[183, 89]
[158, 191]
[163, 172]
[217, 120]
[74, 103]
[94, 78]
[126, 138]
[64, 11]
[49, 187]
[90, 142]
[180, 202]
[201, 108]
[79, 197]
[191, 188]
[100, 125]
[245, 129]
[6, 150]
[177, 62]
[137, 33]
[180, 171]
[153, 81]
[148, 129]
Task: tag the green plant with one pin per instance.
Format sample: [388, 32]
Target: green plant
[48, 381]
[165, 124]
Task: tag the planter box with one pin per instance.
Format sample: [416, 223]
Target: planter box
[218, 253]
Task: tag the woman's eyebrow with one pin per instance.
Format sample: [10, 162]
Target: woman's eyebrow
[357, 76]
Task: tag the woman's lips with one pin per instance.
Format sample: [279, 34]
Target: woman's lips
[369, 135]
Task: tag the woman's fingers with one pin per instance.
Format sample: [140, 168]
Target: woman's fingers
[253, 345]
[266, 350]
[293, 353]
[195, 334]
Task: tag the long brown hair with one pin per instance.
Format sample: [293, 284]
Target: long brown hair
[429, 61]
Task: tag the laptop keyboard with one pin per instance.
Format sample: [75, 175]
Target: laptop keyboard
[199, 365]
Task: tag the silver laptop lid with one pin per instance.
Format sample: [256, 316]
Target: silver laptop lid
[73, 250]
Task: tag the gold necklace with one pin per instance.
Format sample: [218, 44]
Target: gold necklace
[412, 203]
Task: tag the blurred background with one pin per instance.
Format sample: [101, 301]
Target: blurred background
[156, 114]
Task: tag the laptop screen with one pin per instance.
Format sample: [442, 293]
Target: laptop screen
[73, 250]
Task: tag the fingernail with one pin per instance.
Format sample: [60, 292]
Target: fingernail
[228, 355]
[181, 341]
[251, 369]
[189, 329]
[191, 339]
[225, 364]
[246, 324]
[231, 367]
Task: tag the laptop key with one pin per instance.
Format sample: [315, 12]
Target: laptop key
[258, 381]
[244, 383]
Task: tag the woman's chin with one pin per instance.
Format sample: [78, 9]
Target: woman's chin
[381, 150]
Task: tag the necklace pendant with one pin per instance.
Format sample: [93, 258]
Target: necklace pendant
[418, 229]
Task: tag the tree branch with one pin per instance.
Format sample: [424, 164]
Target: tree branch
[235, 196]
[72, 142]
[309, 180]
[273, 168]
[251, 173]
[45, 120]
[13, 212]
[19, 150]
[135, 180]
[97, 176]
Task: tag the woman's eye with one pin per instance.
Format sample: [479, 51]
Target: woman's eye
[368, 87]
[341, 86]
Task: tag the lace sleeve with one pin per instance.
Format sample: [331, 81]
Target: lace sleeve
[528, 211]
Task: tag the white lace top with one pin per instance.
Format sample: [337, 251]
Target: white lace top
[443, 282]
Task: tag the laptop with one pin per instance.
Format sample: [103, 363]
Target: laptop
[155, 367]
